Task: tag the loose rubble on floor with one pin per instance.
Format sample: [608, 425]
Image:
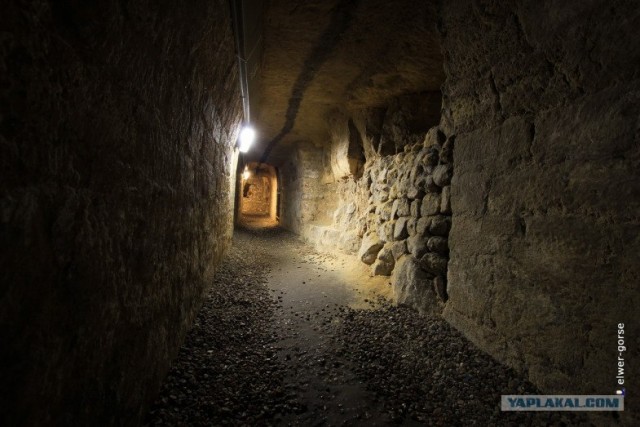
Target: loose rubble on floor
[262, 353]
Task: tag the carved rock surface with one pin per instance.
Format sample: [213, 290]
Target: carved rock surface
[540, 166]
[118, 137]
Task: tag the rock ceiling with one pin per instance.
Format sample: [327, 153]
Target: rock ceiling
[318, 56]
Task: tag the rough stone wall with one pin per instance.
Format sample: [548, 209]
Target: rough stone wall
[364, 143]
[396, 213]
[544, 100]
[397, 218]
[116, 190]
[408, 219]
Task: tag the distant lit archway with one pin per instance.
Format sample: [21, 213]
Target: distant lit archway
[257, 198]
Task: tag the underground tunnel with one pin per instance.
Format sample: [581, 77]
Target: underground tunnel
[440, 209]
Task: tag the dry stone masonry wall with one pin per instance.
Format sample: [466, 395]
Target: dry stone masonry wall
[408, 218]
[360, 141]
[396, 214]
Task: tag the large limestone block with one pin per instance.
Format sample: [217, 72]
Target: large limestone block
[434, 264]
[442, 175]
[371, 245]
[430, 186]
[417, 245]
[414, 192]
[383, 266]
[430, 204]
[440, 225]
[545, 300]
[385, 210]
[438, 245]
[398, 249]
[386, 253]
[400, 230]
[413, 286]
[385, 231]
[400, 207]
[423, 225]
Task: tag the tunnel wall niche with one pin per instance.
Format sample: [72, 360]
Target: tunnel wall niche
[116, 187]
[346, 150]
[544, 101]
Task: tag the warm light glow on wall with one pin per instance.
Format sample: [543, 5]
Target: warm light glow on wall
[247, 135]
[246, 174]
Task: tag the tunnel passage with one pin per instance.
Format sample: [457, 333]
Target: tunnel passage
[487, 185]
[503, 134]
[258, 192]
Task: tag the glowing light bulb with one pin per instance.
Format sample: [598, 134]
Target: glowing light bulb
[247, 135]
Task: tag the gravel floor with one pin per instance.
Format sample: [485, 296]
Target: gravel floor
[279, 342]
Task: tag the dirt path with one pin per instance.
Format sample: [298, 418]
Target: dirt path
[289, 336]
[312, 290]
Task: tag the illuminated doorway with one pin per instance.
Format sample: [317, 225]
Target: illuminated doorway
[258, 193]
